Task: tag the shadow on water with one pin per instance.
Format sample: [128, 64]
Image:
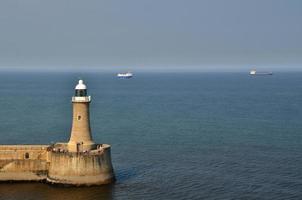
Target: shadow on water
[135, 172]
[32, 191]
[35, 190]
[125, 174]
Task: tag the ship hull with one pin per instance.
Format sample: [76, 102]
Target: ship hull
[124, 76]
[261, 74]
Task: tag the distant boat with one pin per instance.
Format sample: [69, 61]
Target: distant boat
[254, 72]
[125, 75]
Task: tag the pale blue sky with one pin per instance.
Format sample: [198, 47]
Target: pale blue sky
[151, 34]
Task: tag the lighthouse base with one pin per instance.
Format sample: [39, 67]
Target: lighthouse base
[81, 168]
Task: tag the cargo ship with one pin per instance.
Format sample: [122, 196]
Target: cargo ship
[254, 72]
[125, 75]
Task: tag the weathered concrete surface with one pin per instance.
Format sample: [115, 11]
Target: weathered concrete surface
[23, 162]
[93, 168]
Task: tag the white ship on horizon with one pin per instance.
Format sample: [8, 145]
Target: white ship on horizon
[254, 72]
[125, 75]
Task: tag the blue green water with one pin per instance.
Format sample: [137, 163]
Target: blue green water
[173, 136]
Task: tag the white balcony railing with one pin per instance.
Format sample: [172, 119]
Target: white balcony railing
[81, 99]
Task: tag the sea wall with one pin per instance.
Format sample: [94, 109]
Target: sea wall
[81, 168]
[23, 162]
[55, 164]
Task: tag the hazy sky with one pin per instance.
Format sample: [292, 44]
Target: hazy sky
[151, 34]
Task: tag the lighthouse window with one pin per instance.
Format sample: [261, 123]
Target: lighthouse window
[26, 155]
[80, 93]
[79, 117]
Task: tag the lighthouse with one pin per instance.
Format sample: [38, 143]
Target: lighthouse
[80, 139]
[79, 162]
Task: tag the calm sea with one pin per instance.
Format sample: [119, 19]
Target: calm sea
[173, 136]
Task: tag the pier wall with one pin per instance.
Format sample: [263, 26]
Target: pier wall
[55, 165]
[23, 162]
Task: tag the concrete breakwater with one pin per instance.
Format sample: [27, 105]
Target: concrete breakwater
[54, 165]
[23, 162]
